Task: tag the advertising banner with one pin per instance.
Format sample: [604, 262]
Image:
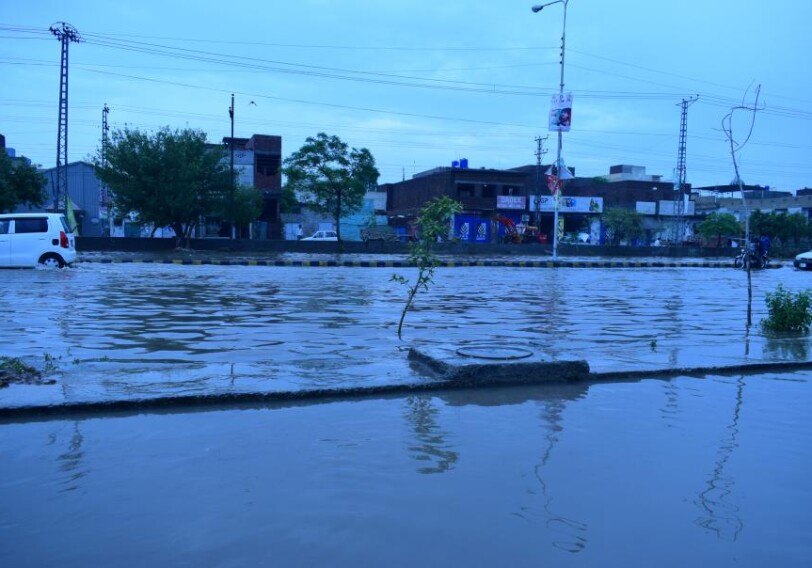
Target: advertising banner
[561, 112]
[471, 228]
[546, 203]
[483, 231]
[667, 208]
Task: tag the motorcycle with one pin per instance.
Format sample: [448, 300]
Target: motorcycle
[751, 257]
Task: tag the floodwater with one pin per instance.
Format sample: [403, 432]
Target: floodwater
[113, 331]
[713, 471]
[691, 471]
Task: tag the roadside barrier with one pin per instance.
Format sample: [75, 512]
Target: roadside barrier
[406, 264]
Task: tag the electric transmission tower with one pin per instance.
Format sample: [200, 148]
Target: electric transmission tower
[66, 34]
[539, 155]
[106, 199]
[679, 182]
[105, 133]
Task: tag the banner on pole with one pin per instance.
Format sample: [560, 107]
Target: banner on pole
[561, 112]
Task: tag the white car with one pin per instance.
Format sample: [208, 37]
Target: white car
[322, 236]
[803, 261]
[28, 240]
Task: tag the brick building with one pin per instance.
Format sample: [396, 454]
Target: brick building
[521, 195]
[258, 163]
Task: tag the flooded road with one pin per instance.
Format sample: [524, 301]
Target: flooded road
[140, 330]
[690, 471]
[684, 472]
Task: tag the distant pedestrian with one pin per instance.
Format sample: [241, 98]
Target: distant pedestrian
[765, 242]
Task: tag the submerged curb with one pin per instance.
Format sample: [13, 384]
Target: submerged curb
[567, 374]
[406, 264]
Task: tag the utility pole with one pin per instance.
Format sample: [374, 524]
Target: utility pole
[679, 182]
[106, 198]
[66, 34]
[556, 182]
[233, 181]
[539, 155]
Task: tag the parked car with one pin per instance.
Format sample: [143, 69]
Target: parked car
[322, 236]
[803, 261]
[28, 240]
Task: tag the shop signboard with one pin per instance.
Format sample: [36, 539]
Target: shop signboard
[646, 207]
[666, 208]
[510, 202]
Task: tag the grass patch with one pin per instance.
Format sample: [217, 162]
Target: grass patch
[788, 311]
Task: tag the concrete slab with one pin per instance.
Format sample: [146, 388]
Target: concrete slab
[490, 363]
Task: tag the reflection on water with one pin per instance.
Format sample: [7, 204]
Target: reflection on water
[783, 348]
[71, 461]
[720, 513]
[431, 449]
[562, 475]
[568, 534]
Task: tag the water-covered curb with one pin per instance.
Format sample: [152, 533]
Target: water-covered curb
[221, 401]
[406, 264]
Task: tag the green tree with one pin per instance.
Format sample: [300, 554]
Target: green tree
[622, 224]
[329, 177]
[763, 223]
[20, 184]
[433, 224]
[719, 225]
[797, 227]
[287, 201]
[170, 178]
[242, 208]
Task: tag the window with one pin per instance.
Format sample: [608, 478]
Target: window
[465, 190]
[267, 165]
[488, 190]
[31, 225]
[4, 227]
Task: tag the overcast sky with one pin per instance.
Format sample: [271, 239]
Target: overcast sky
[423, 82]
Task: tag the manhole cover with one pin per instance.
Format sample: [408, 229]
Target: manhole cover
[496, 352]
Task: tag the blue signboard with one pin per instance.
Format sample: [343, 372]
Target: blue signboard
[471, 228]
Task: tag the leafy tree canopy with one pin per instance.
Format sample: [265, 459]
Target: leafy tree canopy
[20, 184]
[622, 224]
[329, 177]
[720, 225]
[782, 225]
[169, 178]
[243, 207]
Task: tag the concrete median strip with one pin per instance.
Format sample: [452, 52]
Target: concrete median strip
[405, 264]
[487, 364]
[442, 368]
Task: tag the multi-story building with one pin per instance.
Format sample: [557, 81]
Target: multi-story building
[520, 197]
[258, 164]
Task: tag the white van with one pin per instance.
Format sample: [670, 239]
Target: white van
[31, 239]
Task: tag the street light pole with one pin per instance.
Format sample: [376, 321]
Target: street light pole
[559, 184]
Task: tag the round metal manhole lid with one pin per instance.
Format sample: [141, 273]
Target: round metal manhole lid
[494, 352]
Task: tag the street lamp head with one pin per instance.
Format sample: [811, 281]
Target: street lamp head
[539, 7]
